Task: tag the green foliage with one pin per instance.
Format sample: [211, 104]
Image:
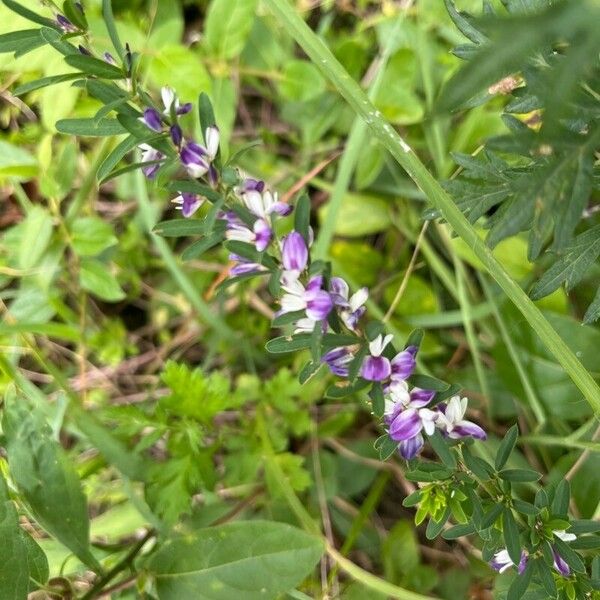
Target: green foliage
[540, 177]
[258, 559]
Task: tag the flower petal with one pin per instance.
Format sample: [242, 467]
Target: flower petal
[375, 368]
[294, 253]
[406, 425]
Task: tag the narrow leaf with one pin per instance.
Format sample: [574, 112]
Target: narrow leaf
[506, 446]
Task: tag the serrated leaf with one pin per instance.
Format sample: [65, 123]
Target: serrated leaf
[593, 311]
[464, 22]
[572, 266]
[258, 559]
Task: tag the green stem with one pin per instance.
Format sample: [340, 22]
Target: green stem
[318, 52]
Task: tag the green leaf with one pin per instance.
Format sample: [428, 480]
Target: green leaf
[572, 266]
[377, 399]
[521, 582]
[434, 528]
[426, 382]
[491, 516]
[111, 27]
[36, 233]
[75, 15]
[205, 113]
[284, 344]
[21, 41]
[14, 574]
[440, 447]
[91, 235]
[194, 187]
[562, 496]
[28, 14]
[47, 480]
[43, 82]
[510, 532]
[385, 447]
[95, 277]
[201, 246]
[56, 40]
[94, 66]
[464, 24]
[359, 215]
[519, 475]
[301, 81]
[180, 227]
[115, 157]
[302, 216]
[16, 162]
[90, 127]
[227, 27]
[458, 531]
[506, 447]
[593, 312]
[545, 576]
[256, 560]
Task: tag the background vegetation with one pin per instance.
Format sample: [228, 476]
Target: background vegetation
[100, 315]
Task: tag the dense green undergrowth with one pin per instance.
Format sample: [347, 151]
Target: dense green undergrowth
[151, 444]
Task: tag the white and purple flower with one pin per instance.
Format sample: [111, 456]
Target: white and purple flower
[376, 367]
[338, 360]
[188, 203]
[244, 266]
[65, 24]
[351, 307]
[150, 155]
[453, 424]
[406, 417]
[501, 562]
[313, 299]
[170, 100]
[196, 158]
[403, 364]
[294, 253]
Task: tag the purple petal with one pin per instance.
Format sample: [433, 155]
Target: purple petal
[375, 368]
[191, 203]
[150, 172]
[176, 135]
[184, 109]
[253, 185]
[337, 360]
[403, 365]
[466, 429]
[294, 252]
[560, 565]
[263, 233]
[420, 398]
[108, 57]
[410, 448]
[522, 563]
[281, 208]
[65, 24]
[406, 425]
[318, 305]
[340, 290]
[315, 283]
[152, 119]
[213, 175]
[351, 319]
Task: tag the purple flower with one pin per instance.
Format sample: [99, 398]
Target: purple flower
[294, 252]
[403, 364]
[188, 203]
[338, 360]
[313, 299]
[376, 367]
[244, 266]
[451, 421]
[108, 57]
[65, 24]
[501, 561]
[252, 185]
[260, 235]
[560, 564]
[263, 204]
[194, 159]
[150, 154]
[170, 99]
[351, 309]
[410, 448]
[263, 234]
[152, 119]
[176, 135]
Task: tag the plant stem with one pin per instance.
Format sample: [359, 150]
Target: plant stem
[318, 52]
[123, 564]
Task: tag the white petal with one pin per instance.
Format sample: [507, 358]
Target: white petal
[211, 137]
[359, 298]
[168, 97]
[564, 536]
[291, 303]
[253, 201]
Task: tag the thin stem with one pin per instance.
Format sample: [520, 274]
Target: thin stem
[318, 52]
[123, 564]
